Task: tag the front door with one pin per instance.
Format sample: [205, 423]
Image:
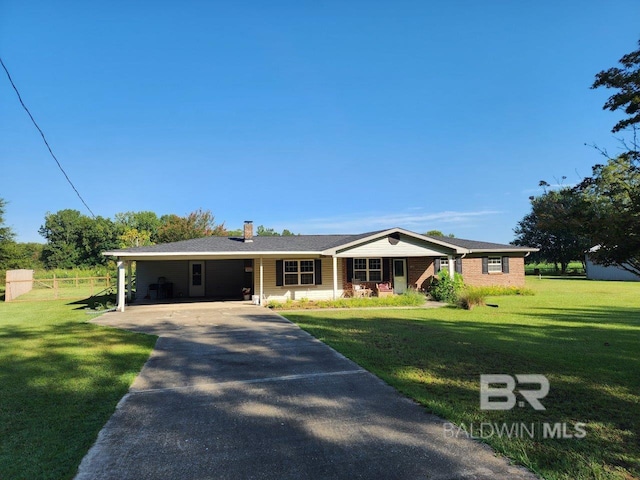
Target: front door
[196, 279]
[399, 275]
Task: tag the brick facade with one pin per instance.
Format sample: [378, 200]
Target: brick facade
[421, 269]
[472, 273]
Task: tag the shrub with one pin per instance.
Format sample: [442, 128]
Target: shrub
[447, 289]
[411, 298]
[500, 291]
[471, 297]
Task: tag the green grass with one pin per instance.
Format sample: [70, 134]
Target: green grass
[546, 269]
[60, 381]
[583, 335]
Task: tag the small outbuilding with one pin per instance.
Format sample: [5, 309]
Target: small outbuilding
[611, 272]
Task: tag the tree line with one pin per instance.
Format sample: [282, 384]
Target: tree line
[601, 214]
[77, 240]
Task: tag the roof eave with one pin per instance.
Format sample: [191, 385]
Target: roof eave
[503, 250]
[241, 254]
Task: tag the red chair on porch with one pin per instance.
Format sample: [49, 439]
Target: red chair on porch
[384, 289]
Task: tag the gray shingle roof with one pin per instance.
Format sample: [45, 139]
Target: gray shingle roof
[477, 245]
[296, 243]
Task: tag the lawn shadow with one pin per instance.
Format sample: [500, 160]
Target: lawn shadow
[102, 301]
[593, 369]
[59, 384]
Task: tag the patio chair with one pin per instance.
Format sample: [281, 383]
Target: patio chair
[384, 289]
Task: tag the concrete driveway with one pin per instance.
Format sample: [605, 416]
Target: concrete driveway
[235, 391]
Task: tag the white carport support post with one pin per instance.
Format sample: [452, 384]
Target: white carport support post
[261, 280]
[335, 278]
[452, 266]
[121, 289]
[129, 281]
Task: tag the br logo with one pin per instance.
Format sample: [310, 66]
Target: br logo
[502, 397]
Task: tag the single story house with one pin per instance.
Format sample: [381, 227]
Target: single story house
[310, 266]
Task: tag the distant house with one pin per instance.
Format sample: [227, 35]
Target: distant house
[310, 266]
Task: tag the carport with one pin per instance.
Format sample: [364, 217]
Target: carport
[217, 279]
[167, 278]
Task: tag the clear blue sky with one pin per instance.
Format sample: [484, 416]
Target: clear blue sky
[319, 117]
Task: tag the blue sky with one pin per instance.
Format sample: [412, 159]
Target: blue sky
[319, 117]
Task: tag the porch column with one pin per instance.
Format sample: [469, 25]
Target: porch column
[121, 287]
[452, 266]
[335, 278]
[261, 280]
[129, 280]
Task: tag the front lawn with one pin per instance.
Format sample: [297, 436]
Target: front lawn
[60, 381]
[584, 336]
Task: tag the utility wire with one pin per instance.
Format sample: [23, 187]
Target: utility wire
[45, 139]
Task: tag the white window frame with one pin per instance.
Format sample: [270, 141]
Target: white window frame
[299, 272]
[444, 264]
[368, 270]
[494, 265]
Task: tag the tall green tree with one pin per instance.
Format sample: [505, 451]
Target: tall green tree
[132, 237]
[613, 190]
[263, 231]
[198, 224]
[613, 216]
[75, 240]
[62, 231]
[626, 80]
[27, 255]
[7, 243]
[554, 226]
[138, 228]
[438, 233]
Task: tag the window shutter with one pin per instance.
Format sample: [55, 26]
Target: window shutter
[505, 264]
[458, 265]
[349, 269]
[386, 271]
[279, 273]
[317, 266]
[485, 265]
[436, 266]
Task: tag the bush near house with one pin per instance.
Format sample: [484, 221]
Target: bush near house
[455, 292]
[445, 288]
[411, 298]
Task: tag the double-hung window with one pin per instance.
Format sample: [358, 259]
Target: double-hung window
[495, 264]
[299, 272]
[444, 264]
[367, 269]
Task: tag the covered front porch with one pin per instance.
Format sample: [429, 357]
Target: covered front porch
[215, 279]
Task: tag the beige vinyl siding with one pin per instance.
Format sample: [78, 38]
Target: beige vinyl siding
[405, 247]
[312, 292]
[174, 271]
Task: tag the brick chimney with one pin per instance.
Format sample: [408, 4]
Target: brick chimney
[248, 231]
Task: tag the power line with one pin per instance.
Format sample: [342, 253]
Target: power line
[45, 139]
